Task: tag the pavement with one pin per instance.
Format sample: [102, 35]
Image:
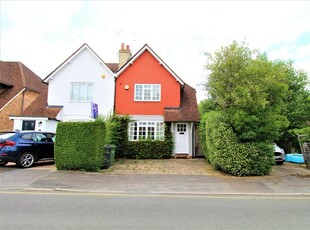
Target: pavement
[157, 177]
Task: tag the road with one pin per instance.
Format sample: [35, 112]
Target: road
[69, 210]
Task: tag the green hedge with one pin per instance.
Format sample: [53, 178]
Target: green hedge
[117, 134]
[226, 154]
[151, 149]
[80, 146]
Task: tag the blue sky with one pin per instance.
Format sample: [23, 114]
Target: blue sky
[42, 34]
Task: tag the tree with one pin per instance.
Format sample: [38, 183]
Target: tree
[297, 109]
[250, 90]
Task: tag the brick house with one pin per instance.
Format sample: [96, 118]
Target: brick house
[22, 98]
[151, 93]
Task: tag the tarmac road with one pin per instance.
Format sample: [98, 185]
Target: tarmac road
[72, 210]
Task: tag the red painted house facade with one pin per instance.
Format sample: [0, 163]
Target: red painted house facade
[153, 95]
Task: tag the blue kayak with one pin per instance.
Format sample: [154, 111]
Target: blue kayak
[294, 158]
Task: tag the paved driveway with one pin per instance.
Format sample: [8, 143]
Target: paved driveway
[195, 166]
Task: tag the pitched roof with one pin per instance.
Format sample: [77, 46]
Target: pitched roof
[113, 67]
[84, 46]
[16, 77]
[39, 108]
[161, 62]
[188, 111]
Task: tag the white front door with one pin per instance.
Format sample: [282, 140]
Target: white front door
[181, 137]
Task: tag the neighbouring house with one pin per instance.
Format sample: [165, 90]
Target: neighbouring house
[23, 99]
[82, 86]
[152, 94]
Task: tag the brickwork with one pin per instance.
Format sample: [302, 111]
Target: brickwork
[15, 108]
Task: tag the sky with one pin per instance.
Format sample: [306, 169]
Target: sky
[42, 34]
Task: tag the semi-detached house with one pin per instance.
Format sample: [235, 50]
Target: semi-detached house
[142, 86]
[153, 95]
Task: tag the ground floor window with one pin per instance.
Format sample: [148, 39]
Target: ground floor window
[29, 125]
[140, 130]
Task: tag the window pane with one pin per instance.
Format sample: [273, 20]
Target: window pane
[142, 132]
[89, 92]
[151, 133]
[138, 92]
[74, 92]
[82, 92]
[155, 93]
[29, 125]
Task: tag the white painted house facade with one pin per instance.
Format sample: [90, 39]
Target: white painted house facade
[79, 83]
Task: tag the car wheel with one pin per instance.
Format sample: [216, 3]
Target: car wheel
[279, 162]
[3, 163]
[25, 160]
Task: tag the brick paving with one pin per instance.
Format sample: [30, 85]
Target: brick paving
[195, 166]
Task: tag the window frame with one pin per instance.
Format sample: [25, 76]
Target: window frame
[89, 94]
[143, 130]
[144, 89]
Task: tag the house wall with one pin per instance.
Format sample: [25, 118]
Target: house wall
[41, 124]
[84, 67]
[15, 107]
[146, 70]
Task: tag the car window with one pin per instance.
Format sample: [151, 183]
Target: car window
[28, 137]
[44, 137]
[50, 137]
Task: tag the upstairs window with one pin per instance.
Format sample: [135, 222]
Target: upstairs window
[147, 92]
[81, 92]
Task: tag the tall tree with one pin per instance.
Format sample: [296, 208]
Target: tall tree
[250, 90]
[297, 109]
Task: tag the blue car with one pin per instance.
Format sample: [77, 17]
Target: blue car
[26, 147]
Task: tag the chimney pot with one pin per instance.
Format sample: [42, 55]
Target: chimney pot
[127, 47]
[122, 46]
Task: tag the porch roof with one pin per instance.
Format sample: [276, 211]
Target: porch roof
[188, 111]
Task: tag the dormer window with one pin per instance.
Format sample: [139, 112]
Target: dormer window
[147, 92]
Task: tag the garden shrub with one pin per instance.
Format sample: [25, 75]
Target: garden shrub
[226, 154]
[151, 149]
[117, 134]
[80, 146]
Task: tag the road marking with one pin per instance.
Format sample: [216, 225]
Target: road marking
[162, 195]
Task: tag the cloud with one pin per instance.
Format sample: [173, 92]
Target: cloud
[42, 34]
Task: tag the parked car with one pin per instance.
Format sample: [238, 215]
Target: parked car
[279, 155]
[26, 147]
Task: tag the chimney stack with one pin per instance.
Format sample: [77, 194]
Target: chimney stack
[124, 55]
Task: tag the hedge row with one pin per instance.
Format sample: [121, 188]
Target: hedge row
[226, 154]
[80, 146]
[151, 149]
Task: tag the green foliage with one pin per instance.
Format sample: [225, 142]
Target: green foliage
[151, 149]
[80, 146]
[225, 153]
[297, 107]
[250, 90]
[202, 131]
[206, 105]
[117, 134]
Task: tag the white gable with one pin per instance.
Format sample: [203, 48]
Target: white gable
[84, 66]
[69, 60]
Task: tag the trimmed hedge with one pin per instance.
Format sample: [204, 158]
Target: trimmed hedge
[80, 146]
[151, 149]
[226, 154]
[117, 134]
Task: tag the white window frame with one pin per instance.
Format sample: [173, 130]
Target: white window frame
[144, 92]
[88, 96]
[141, 130]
